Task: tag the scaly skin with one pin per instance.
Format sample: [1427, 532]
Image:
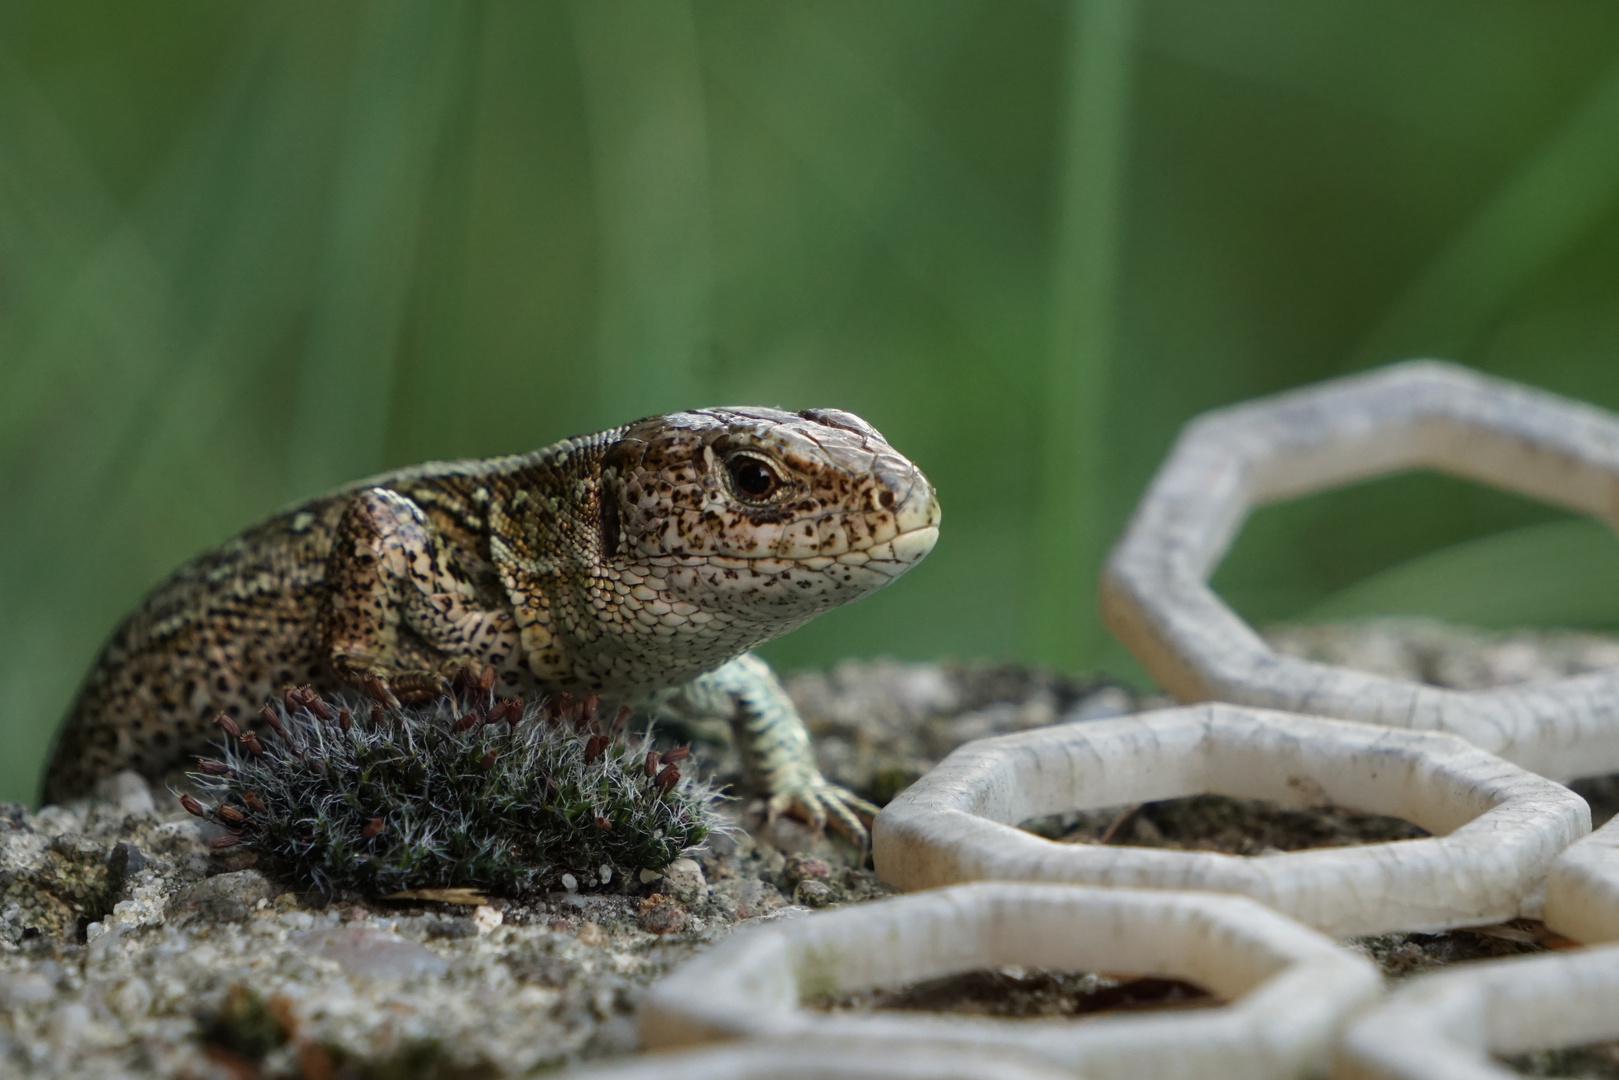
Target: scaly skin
[642, 563]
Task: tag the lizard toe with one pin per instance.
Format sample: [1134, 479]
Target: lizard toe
[823, 804]
[803, 804]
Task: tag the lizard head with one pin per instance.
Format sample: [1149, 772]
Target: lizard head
[761, 515]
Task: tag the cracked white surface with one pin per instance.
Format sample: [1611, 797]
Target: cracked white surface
[1445, 1025]
[1155, 594]
[1582, 890]
[1497, 827]
[828, 1059]
[1289, 987]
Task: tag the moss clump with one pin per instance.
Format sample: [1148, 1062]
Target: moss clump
[464, 790]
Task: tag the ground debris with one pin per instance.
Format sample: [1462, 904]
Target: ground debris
[1022, 993]
[129, 947]
[1223, 824]
[1592, 1061]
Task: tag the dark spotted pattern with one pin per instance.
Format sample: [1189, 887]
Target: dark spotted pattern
[643, 563]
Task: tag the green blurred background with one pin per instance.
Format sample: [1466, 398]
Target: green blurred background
[249, 251]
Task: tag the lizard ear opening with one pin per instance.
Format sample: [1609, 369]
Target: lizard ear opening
[607, 522]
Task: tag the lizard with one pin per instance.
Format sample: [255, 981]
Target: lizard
[643, 563]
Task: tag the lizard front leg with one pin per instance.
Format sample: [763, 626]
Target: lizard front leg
[397, 607]
[774, 744]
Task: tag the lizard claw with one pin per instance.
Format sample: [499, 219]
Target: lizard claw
[380, 692]
[818, 804]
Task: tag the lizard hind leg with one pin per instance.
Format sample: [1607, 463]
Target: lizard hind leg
[398, 608]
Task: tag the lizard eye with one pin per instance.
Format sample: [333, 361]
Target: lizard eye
[752, 479]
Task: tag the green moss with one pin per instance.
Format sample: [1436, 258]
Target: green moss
[462, 791]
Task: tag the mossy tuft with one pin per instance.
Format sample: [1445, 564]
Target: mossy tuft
[461, 791]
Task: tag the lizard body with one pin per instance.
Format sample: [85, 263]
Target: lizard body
[642, 563]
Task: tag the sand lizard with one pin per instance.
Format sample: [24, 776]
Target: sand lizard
[642, 563]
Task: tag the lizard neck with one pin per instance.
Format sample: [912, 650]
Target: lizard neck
[544, 521]
[590, 612]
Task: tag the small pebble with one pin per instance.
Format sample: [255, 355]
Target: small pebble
[814, 893]
[805, 867]
[222, 898]
[660, 915]
[684, 880]
[19, 988]
[132, 999]
[590, 934]
[296, 920]
[487, 918]
[130, 791]
[376, 953]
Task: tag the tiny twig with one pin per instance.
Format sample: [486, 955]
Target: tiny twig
[1118, 822]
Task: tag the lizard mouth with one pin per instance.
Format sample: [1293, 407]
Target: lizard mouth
[891, 558]
[913, 544]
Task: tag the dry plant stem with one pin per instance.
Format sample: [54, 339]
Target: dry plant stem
[1289, 987]
[1155, 593]
[1445, 1025]
[826, 1059]
[1582, 890]
[1496, 827]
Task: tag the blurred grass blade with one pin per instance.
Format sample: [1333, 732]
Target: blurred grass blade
[885, 164]
[79, 346]
[83, 326]
[1064, 627]
[149, 390]
[1554, 200]
[649, 150]
[403, 77]
[1563, 573]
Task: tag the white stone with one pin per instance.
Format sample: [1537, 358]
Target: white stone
[1496, 827]
[129, 790]
[1287, 987]
[1582, 890]
[1155, 593]
[1444, 1025]
[487, 919]
[683, 879]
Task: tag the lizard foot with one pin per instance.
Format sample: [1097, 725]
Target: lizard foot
[415, 687]
[394, 688]
[819, 803]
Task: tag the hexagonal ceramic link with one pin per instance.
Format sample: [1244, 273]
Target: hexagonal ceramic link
[826, 1059]
[1496, 826]
[1445, 1025]
[1288, 987]
[1156, 598]
[1582, 890]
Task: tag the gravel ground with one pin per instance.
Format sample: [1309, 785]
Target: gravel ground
[126, 948]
